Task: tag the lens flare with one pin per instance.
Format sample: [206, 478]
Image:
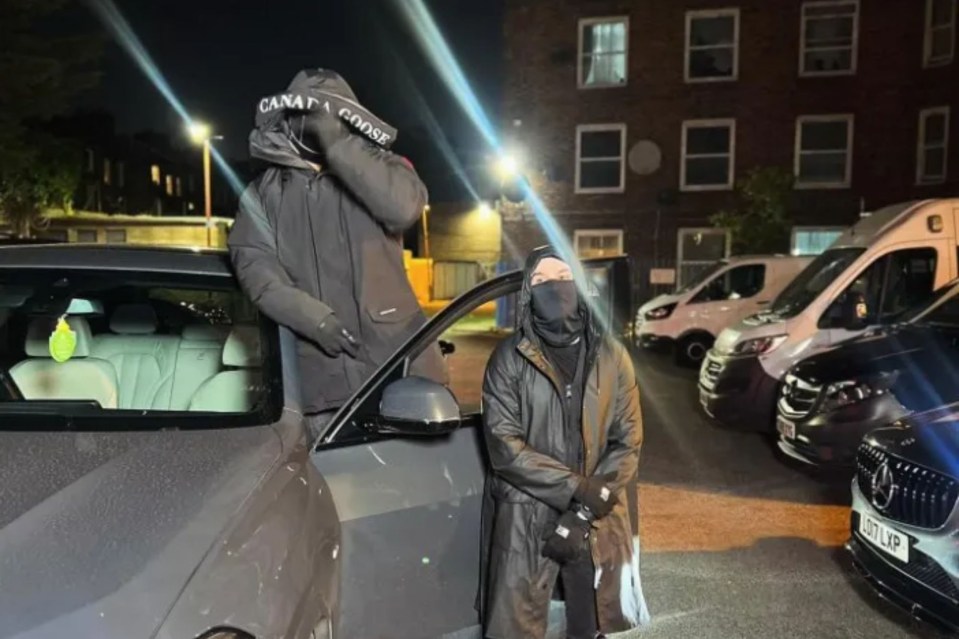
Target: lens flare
[123, 33]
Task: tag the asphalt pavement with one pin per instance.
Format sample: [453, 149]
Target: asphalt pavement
[738, 542]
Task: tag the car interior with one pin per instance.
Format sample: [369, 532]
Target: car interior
[136, 353]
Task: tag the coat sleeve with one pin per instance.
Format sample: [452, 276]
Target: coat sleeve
[511, 457]
[385, 183]
[253, 250]
[626, 431]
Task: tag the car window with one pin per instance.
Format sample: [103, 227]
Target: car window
[741, 282]
[127, 345]
[911, 279]
[866, 289]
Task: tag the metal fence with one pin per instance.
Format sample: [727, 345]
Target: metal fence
[450, 279]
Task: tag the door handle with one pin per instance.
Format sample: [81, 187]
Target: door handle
[763, 302]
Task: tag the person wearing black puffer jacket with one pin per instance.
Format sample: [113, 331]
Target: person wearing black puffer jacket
[563, 430]
[317, 242]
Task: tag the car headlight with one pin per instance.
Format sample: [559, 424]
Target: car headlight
[853, 391]
[759, 345]
[661, 312]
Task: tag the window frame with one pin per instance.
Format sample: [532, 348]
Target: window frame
[928, 62]
[596, 128]
[922, 147]
[684, 156]
[595, 232]
[850, 120]
[854, 54]
[581, 26]
[692, 15]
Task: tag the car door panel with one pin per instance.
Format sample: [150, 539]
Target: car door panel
[409, 508]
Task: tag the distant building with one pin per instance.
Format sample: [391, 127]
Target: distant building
[639, 117]
[142, 173]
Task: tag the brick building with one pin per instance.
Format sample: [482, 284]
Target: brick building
[639, 116]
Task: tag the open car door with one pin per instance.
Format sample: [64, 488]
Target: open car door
[405, 462]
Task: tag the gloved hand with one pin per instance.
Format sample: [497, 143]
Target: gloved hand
[334, 339]
[594, 494]
[568, 539]
[324, 129]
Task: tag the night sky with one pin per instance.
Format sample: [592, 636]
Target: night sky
[222, 56]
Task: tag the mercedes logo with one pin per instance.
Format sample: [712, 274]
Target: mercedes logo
[883, 487]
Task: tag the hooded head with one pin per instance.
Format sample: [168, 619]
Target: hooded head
[551, 305]
[278, 137]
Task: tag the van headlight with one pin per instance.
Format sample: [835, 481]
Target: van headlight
[853, 391]
[759, 345]
[661, 312]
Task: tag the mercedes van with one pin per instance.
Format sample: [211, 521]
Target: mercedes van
[890, 261]
[690, 319]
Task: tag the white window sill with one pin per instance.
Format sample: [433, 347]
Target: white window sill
[712, 80]
[699, 188]
[826, 74]
[599, 191]
[591, 87]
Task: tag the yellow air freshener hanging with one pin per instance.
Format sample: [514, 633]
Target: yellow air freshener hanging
[63, 342]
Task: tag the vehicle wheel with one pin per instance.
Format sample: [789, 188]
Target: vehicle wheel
[691, 350]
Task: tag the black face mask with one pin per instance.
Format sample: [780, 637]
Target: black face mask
[556, 315]
[306, 146]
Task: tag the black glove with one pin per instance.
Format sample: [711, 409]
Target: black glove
[334, 339]
[569, 538]
[594, 494]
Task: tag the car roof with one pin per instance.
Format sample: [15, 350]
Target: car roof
[189, 261]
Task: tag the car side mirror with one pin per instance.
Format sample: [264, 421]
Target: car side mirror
[416, 406]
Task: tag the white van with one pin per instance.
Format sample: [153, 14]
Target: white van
[888, 262]
[731, 289]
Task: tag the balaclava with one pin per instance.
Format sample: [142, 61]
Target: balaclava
[556, 314]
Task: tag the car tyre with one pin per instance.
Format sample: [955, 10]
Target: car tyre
[692, 349]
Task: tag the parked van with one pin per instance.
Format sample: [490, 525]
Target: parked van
[690, 319]
[890, 261]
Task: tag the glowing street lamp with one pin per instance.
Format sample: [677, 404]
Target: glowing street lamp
[507, 167]
[201, 133]
[485, 210]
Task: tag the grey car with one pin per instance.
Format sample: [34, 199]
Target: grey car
[157, 480]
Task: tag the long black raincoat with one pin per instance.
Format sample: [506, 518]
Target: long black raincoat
[528, 489]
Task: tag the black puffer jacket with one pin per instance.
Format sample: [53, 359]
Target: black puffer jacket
[308, 243]
[528, 489]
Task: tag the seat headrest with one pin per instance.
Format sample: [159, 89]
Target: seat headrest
[242, 348]
[134, 319]
[40, 329]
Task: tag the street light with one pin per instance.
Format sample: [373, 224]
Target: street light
[201, 133]
[507, 167]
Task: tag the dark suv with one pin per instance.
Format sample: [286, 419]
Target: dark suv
[904, 518]
[829, 401]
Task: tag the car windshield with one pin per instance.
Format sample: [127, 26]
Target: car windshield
[941, 310]
[813, 279]
[127, 349]
[703, 276]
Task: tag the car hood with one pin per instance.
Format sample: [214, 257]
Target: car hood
[100, 532]
[659, 300]
[930, 439]
[752, 327]
[872, 353]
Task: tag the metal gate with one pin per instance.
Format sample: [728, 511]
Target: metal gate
[451, 279]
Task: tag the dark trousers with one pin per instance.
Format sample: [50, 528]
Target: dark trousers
[578, 578]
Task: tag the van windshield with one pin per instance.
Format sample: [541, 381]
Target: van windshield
[701, 277]
[819, 274]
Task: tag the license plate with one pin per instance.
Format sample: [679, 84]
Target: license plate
[786, 428]
[890, 541]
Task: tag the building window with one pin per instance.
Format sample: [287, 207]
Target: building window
[87, 236]
[813, 240]
[155, 174]
[116, 236]
[591, 243]
[698, 250]
[933, 145]
[91, 161]
[830, 32]
[121, 175]
[940, 41]
[169, 184]
[708, 155]
[823, 151]
[179, 187]
[603, 52]
[600, 158]
[106, 171]
[712, 45]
